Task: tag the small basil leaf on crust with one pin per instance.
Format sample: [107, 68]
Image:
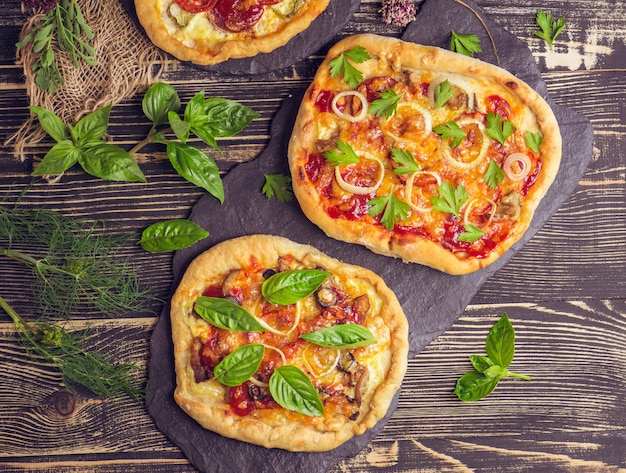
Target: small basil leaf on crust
[341, 336]
[288, 287]
[239, 365]
[293, 390]
[225, 314]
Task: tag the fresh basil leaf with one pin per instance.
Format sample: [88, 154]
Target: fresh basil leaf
[109, 162]
[171, 235]
[195, 110]
[293, 390]
[500, 344]
[179, 127]
[91, 127]
[288, 287]
[196, 167]
[51, 123]
[205, 135]
[495, 371]
[480, 363]
[227, 117]
[225, 314]
[341, 336]
[474, 386]
[158, 101]
[239, 365]
[59, 159]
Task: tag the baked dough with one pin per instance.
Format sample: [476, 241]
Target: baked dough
[427, 235]
[195, 38]
[247, 259]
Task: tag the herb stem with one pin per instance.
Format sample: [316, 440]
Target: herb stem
[38, 264]
[520, 376]
[151, 138]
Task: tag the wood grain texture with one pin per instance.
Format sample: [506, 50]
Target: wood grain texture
[565, 291]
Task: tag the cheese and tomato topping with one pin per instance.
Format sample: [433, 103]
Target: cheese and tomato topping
[472, 160]
[343, 378]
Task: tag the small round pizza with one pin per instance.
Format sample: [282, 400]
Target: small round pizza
[208, 32]
[421, 153]
[280, 345]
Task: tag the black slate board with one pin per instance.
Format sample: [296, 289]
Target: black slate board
[432, 300]
[308, 42]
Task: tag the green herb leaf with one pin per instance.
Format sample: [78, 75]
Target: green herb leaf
[480, 362]
[443, 93]
[451, 130]
[500, 344]
[550, 28]
[51, 123]
[341, 336]
[59, 159]
[288, 287]
[225, 117]
[293, 390]
[494, 175]
[497, 129]
[279, 186]
[533, 140]
[196, 167]
[393, 209]
[450, 199]
[466, 44]
[344, 155]
[91, 127]
[495, 371]
[471, 233]
[239, 365]
[385, 105]
[158, 101]
[406, 160]
[474, 386]
[109, 162]
[181, 128]
[225, 314]
[171, 235]
[340, 65]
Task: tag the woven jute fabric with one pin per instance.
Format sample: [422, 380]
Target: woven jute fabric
[127, 63]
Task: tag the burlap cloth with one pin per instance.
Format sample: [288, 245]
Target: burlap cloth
[127, 63]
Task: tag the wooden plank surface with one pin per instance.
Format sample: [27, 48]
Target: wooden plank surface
[565, 291]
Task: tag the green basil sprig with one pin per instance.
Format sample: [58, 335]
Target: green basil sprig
[171, 235]
[239, 365]
[225, 314]
[293, 390]
[288, 287]
[206, 118]
[490, 369]
[341, 336]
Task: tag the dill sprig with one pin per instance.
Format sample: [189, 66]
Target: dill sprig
[74, 263]
[77, 365]
[62, 25]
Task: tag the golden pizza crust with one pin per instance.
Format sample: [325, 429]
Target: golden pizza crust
[205, 402]
[161, 28]
[403, 57]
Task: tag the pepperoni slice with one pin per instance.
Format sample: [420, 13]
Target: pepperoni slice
[196, 6]
[237, 15]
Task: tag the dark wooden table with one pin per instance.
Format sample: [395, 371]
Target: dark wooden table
[565, 291]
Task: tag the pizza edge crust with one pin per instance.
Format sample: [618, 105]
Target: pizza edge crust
[150, 17]
[291, 436]
[410, 55]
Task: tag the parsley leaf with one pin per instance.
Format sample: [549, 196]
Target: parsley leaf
[406, 160]
[471, 233]
[533, 140]
[279, 186]
[443, 93]
[450, 199]
[340, 65]
[497, 129]
[344, 155]
[392, 208]
[550, 28]
[451, 130]
[466, 44]
[494, 174]
[386, 104]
